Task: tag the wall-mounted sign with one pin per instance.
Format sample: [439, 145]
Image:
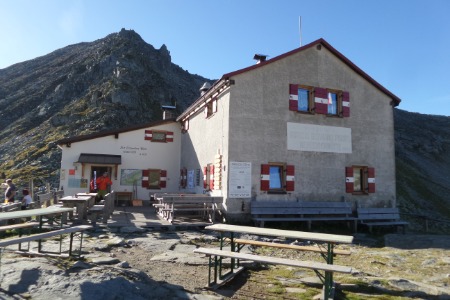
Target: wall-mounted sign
[240, 179]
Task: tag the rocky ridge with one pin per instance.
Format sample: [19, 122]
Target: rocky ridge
[110, 83]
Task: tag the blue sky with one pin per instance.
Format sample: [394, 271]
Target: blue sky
[402, 44]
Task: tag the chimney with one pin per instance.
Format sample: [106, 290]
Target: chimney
[205, 87]
[260, 58]
[168, 112]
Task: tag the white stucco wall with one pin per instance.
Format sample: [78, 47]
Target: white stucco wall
[136, 152]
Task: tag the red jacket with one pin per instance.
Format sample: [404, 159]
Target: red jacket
[103, 182]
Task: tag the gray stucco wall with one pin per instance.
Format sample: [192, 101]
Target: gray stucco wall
[251, 126]
[258, 119]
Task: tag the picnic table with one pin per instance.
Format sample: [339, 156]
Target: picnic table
[44, 214]
[82, 204]
[230, 232]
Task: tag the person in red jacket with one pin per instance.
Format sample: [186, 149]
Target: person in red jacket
[103, 182]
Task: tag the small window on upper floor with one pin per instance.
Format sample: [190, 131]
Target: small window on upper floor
[301, 98]
[333, 101]
[210, 108]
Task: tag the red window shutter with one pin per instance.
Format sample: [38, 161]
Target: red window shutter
[265, 177]
[148, 135]
[205, 182]
[345, 104]
[169, 136]
[371, 180]
[211, 177]
[349, 180]
[163, 179]
[293, 97]
[145, 178]
[290, 179]
[321, 100]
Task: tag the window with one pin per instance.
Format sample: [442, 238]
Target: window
[210, 108]
[308, 99]
[159, 136]
[301, 98]
[332, 103]
[154, 179]
[277, 177]
[360, 180]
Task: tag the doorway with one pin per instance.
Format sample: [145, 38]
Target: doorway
[97, 171]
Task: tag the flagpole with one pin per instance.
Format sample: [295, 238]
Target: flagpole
[300, 29]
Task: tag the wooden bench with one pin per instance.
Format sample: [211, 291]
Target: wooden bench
[104, 210]
[11, 206]
[205, 206]
[288, 246]
[381, 216]
[40, 236]
[301, 211]
[316, 266]
[19, 227]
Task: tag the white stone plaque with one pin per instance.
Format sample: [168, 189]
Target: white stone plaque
[319, 138]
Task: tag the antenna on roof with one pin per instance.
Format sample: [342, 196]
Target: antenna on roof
[300, 28]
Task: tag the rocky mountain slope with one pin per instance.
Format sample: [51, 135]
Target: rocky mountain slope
[110, 83]
[121, 80]
[423, 166]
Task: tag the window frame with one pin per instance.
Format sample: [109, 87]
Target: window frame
[338, 94]
[364, 179]
[153, 173]
[157, 132]
[310, 89]
[282, 189]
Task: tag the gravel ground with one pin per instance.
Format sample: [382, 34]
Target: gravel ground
[152, 265]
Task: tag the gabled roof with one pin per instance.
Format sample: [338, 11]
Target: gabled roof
[333, 51]
[396, 101]
[86, 137]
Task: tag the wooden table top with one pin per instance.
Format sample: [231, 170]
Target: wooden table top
[302, 235]
[72, 198]
[33, 212]
[87, 194]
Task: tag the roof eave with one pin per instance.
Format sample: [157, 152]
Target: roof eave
[396, 100]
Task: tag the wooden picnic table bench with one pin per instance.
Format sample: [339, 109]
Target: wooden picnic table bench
[216, 255]
[40, 236]
[301, 211]
[381, 216]
[229, 232]
[318, 249]
[205, 206]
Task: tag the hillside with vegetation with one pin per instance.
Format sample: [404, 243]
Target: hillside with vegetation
[120, 80]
